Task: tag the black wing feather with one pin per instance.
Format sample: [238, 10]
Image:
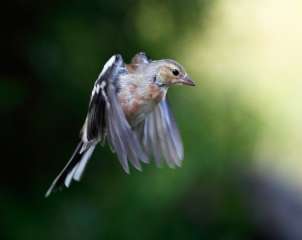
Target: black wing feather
[95, 124]
[96, 118]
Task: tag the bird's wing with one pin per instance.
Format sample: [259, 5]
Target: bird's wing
[106, 118]
[140, 58]
[95, 124]
[161, 136]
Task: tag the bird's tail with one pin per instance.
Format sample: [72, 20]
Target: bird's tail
[74, 169]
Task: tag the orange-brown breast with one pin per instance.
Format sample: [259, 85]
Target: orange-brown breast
[134, 102]
[155, 93]
[132, 108]
[130, 100]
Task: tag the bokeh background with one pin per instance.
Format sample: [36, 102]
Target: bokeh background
[241, 124]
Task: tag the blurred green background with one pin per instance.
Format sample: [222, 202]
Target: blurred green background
[241, 124]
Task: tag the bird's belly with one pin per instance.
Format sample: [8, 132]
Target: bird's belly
[137, 110]
[137, 106]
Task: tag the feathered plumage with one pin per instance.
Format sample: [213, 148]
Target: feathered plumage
[128, 109]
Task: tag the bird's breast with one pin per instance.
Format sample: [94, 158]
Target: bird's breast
[138, 101]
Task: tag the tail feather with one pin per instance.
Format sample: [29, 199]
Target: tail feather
[82, 164]
[74, 169]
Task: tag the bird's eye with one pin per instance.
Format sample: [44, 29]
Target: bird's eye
[175, 72]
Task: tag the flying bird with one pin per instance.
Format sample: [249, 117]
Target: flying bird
[128, 108]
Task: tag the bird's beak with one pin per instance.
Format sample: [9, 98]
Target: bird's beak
[187, 81]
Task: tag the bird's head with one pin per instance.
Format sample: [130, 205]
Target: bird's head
[171, 73]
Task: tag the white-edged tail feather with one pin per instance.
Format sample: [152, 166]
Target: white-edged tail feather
[80, 167]
[74, 169]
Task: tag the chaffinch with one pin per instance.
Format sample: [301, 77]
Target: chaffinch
[129, 109]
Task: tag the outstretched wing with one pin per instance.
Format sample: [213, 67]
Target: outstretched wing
[106, 119]
[95, 124]
[161, 136]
